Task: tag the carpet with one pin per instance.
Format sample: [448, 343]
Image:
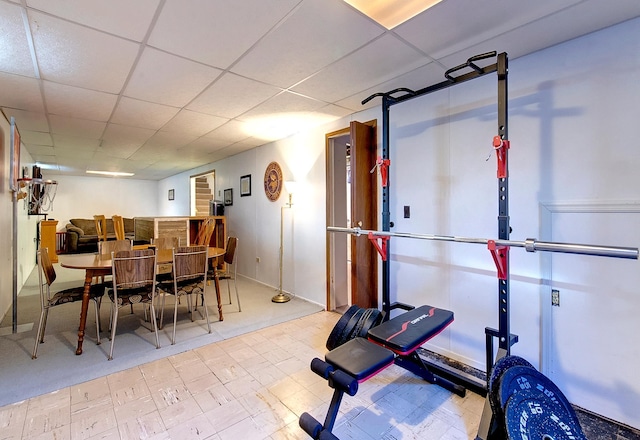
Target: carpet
[57, 366]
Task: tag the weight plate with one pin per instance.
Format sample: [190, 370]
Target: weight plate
[338, 329]
[522, 378]
[529, 415]
[502, 365]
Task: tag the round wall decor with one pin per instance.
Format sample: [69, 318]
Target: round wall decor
[273, 181]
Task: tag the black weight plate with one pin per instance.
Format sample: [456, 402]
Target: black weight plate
[502, 365]
[521, 378]
[338, 329]
[529, 415]
[349, 330]
[364, 317]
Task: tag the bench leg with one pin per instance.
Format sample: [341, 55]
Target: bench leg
[412, 362]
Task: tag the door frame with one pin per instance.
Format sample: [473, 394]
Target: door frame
[330, 200]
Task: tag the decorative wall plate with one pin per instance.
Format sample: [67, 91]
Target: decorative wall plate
[273, 181]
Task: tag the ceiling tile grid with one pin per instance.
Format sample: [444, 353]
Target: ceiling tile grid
[157, 86]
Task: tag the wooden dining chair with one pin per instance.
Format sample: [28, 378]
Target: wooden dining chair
[48, 300]
[134, 282]
[189, 278]
[205, 231]
[101, 227]
[118, 226]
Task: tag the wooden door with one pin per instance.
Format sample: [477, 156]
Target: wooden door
[364, 198]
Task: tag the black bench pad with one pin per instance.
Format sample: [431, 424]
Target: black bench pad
[405, 333]
[360, 358]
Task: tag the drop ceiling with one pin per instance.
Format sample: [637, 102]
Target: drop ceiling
[158, 87]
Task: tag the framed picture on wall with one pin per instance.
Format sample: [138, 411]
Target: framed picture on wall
[228, 197]
[245, 185]
[172, 194]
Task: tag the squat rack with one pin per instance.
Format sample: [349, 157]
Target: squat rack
[499, 247]
[501, 146]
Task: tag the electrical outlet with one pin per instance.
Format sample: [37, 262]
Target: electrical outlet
[257, 259]
[555, 297]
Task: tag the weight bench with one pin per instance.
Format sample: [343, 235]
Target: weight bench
[355, 361]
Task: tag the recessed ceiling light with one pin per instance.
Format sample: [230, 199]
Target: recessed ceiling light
[110, 173]
[391, 13]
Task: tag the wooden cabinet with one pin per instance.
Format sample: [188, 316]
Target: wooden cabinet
[185, 228]
[48, 238]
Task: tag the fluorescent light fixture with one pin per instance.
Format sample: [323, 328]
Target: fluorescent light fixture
[391, 13]
[110, 173]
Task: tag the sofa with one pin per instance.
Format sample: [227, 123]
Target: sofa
[81, 235]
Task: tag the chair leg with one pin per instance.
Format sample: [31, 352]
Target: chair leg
[96, 303]
[175, 318]
[39, 335]
[114, 324]
[206, 312]
[235, 284]
[155, 324]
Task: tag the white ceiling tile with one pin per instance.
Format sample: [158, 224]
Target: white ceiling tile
[169, 140]
[202, 31]
[168, 79]
[373, 64]
[76, 127]
[90, 58]
[193, 123]
[30, 121]
[304, 43]
[125, 136]
[15, 56]
[232, 95]
[208, 144]
[285, 102]
[120, 17]
[232, 131]
[84, 144]
[142, 114]
[36, 138]
[438, 35]
[21, 93]
[74, 153]
[41, 150]
[78, 103]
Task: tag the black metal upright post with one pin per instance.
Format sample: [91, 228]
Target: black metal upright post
[386, 213]
[504, 229]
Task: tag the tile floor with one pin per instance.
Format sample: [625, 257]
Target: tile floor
[254, 386]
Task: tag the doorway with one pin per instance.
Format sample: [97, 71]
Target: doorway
[202, 189]
[352, 262]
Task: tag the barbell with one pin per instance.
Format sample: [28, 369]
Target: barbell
[530, 244]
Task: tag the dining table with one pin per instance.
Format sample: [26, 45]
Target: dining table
[97, 265]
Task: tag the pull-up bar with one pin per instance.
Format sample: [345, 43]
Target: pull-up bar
[530, 244]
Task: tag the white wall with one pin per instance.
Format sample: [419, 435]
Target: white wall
[84, 197]
[573, 112]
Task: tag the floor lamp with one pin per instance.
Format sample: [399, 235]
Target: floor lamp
[282, 297]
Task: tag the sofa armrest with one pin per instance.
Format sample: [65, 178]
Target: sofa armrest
[75, 229]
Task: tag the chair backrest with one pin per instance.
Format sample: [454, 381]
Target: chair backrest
[101, 227]
[230, 252]
[133, 269]
[118, 226]
[166, 242]
[107, 247]
[205, 232]
[46, 268]
[189, 263]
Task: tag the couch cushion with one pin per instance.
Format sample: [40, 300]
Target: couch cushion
[88, 226]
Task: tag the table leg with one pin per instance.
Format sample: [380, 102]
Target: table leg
[217, 284]
[83, 311]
